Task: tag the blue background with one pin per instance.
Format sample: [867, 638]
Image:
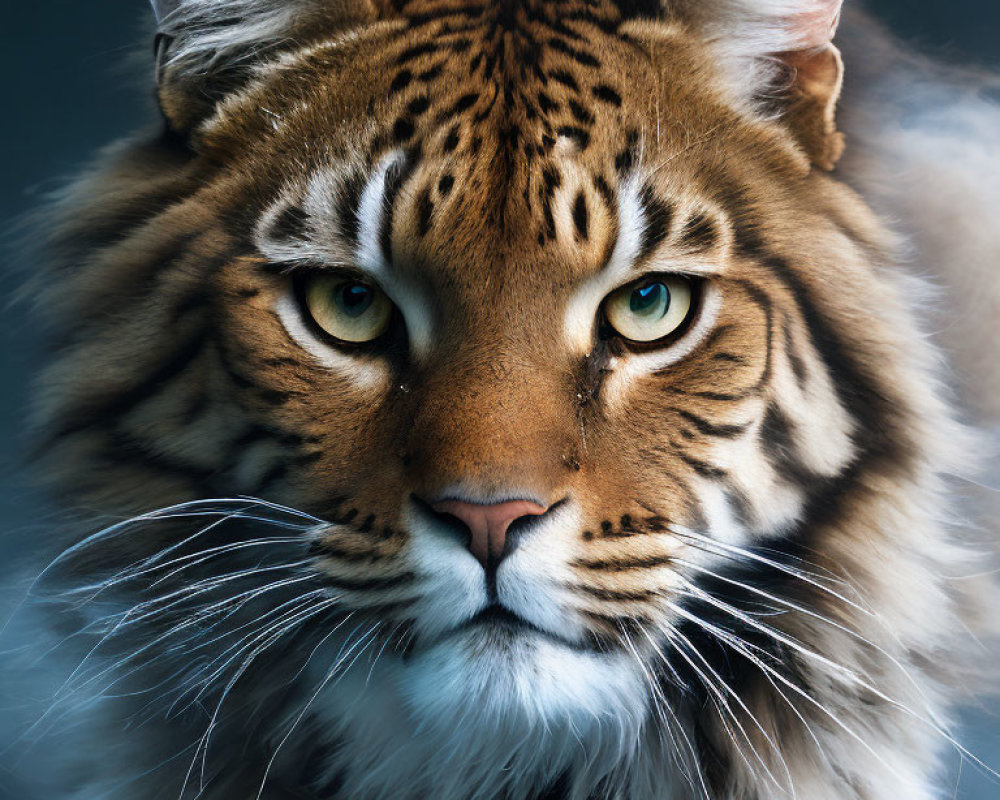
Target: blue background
[67, 89]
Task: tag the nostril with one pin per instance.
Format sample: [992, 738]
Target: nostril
[445, 520]
[523, 525]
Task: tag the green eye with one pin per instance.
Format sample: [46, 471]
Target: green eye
[347, 309]
[651, 309]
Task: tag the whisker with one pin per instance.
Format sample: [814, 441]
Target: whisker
[366, 639]
[821, 618]
[807, 577]
[662, 704]
[716, 688]
[738, 645]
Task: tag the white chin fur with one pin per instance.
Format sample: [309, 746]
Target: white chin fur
[481, 713]
[523, 680]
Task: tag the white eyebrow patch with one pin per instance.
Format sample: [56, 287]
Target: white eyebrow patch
[319, 210]
[372, 219]
[372, 216]
[581, 311]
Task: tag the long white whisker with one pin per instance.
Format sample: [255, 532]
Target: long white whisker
[738, 645]
[716, 688]
[806, 577]
[663, 707]
[367, 638]
[821, 618]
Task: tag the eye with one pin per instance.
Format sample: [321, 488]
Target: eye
[651, 309]
[345, 308]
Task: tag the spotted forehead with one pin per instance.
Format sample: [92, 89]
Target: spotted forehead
[505, 134]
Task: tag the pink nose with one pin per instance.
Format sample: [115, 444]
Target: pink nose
[489, 523]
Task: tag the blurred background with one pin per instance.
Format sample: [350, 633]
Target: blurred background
[69, 89]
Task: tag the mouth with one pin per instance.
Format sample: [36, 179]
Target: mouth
[496, 616]
[502, 626]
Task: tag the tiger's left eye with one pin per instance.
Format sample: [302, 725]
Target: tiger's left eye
[651, 309]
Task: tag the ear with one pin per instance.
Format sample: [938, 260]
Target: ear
[206, 49]
[811, 110]
[781, 51]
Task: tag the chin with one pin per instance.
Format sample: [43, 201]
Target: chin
[516, 680]
[489, 710]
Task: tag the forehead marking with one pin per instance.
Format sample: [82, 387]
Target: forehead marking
[582, 308]
[373, 216]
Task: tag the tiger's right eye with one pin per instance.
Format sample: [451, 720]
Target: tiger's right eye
[651, 310]
[347, 309]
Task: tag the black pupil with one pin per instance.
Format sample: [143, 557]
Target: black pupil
[354, 299]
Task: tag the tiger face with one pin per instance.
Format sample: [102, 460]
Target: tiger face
[570, 351]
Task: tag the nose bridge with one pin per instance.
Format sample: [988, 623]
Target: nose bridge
[491, 421]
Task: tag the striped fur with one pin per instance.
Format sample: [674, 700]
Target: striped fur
[741, 590]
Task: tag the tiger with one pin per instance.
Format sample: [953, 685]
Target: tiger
[498, 400]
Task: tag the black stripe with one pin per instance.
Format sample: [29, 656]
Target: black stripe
[371, 584]
[395, 177]
[104, 407]
[451, 140]
[700, 232]
[401, 81]
[626, 160]
[580, 113]
[124, 447]
[709, 428]
[464, 103]
[606, 94]
[563, 77]
[348, 205]
[425, 210]
[249, 381]
[430, 74]
[778, 443]
[347, 556]
[418, 105]
[607, 194]
[794, 359]
[291, 223]
[624, 564]
[402, 130]
[416, 51]
[579, 136]
[580, 215]
[645, 9]
[761, 298]
[115, 225]
[872, 410]
[579, 56]
[703, 468]
[615, 595]
[722, 397]
[658, 215]
[271, 476]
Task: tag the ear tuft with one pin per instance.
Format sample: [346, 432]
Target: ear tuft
[209, 48]
[163, 8]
